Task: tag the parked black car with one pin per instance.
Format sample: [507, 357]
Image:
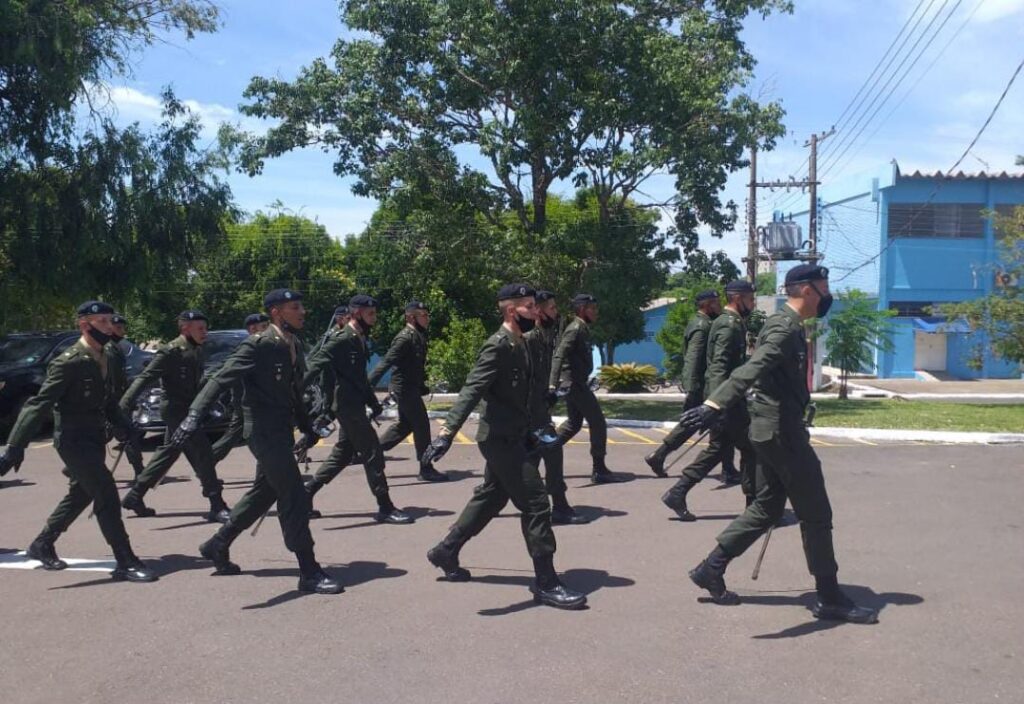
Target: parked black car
[24, 357]
[218, 347]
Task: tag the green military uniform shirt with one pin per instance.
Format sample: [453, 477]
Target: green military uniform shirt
[695, 341]
[76, 390]
[345, 355]
[540, 342]
[179, 367]
[727, 346]
[407, 357]
[573, 361]
[501, 378]
[777, 373]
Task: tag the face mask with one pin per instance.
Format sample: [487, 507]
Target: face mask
[743, 310]
[116, 338]
[712, 314]
[549, 323]
[363, 326]
[421, 328]
[99, 336]
[288, 328]
[824, 302]
[525, 324]
[191, 341]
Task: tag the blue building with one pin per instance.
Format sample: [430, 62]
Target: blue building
[647, 350]
[913, 241]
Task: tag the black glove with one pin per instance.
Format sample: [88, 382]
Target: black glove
[436, 450]
[305, 442]
[121, 433]
[701, 417]
[322, 426]
[186, 430]
[375, 409]
[108, 432]
[563, 390]
[424, 390]
[551, 397]
[541, 440]
[11, 457]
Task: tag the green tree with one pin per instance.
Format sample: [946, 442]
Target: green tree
[602, 94]
[451, 358]
[670, 337]
[767, 284]
[999, 316]
[855, 331]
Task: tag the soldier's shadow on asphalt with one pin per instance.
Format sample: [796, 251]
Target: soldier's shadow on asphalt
[15, 483]
[584, 580]
[454, 475]
[352, 574]
[417, 512]
[865, 596]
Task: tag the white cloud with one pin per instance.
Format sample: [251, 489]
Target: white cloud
[126, 104]
[992, 10]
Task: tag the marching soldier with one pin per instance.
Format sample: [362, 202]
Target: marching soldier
[501, 378]
[407, 357]
[178, 366]
[235, 435]
[130, 438]
[571, 367]
[345, 355]
[79, 391]
[727, 346]
[787, 465]
[271, 366]
[540, 342]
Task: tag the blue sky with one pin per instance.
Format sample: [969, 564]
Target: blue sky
[813, 61]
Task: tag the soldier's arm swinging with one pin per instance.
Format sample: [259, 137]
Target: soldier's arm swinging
[485, 371]
[149, 375]
[769, 354]
[560, 360]
[40, 407]
[398, 349]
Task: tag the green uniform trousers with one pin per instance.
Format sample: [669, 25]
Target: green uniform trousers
[234, 437]
[787, 466]
[582, 404]
[509, 474]
[278, 480]
[734, 433]
[90, 482]
[197, 449]
[412, 418]
[679, 434]
[356, 436]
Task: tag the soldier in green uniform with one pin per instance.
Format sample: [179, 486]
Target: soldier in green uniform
[235, 435]
[501, 379]
[571, 367]
[271, 366]
[727, 346]
[407, 357]
[787, 465]
[129, 438]
[178, 366]
[695, 354]
[78, 391]
[345, 355]
[540, 342]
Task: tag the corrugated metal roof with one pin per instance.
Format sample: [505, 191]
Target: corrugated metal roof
[658, 303]
[961, 175]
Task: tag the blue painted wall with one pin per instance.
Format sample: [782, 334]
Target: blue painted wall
[647, 351]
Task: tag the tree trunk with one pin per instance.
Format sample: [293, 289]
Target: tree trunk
[539, 176]
[610, 355]
[843, 391]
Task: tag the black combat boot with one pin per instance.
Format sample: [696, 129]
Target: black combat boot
[834, 605]
[387, 513]
[312, 577]
[603, 475]
[445, 555]
[549, 590]
[313, 485]
[42, 549]
[429, 474]
[675, 499]
[710, 575]
[216, 549]
[730, 476]
[130, 568]
[219, 511]
[133, 502]
[656, 460]
[562, 514]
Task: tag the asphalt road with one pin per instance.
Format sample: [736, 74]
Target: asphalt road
[932, 535]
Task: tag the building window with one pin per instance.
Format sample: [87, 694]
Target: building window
[949, 220]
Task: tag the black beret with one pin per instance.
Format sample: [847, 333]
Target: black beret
[279, 296]
[255, 319]
[707, 295]
[803, 273]
[361, 300]
[582, 299]
[118, 319]
[542, 296]
[739, 286]
[95, 308]
[192, 314]
[414, 305]
[340, 310]
[519, 290]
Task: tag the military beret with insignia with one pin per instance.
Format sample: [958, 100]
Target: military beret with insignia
[95, 308]
[118, 319]
[255, 319]
[739, 286]
[804, 273]
[541, 296]
[192, 314]
[582, 299]
[361, 300]
[707, 295]
[340, 311]
[415, 305]
[280, 296]
[519, 290]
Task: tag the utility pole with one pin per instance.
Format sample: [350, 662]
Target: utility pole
[752, 219]
[812, 237]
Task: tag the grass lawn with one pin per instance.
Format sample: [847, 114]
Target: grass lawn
[915, 415]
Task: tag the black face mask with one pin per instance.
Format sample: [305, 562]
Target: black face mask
[525, 324]
[191, 340]
[363, 326]
[712, 314]
[824, 302]
[421, 328]
[98, 335]
[116, 338]
[743, 310]
[549, 323]
[288, 328]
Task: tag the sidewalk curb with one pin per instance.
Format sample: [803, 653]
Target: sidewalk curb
[893, 434]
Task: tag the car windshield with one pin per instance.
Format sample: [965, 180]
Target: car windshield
[24, 350]
[218, 347]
